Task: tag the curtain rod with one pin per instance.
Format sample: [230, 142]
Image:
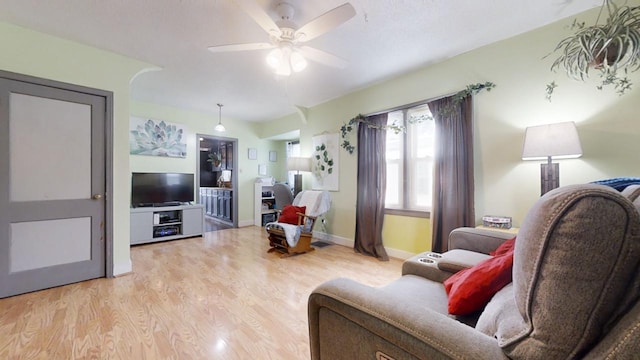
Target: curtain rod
[417, 103]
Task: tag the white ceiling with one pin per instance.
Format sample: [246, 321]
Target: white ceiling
[385, 38]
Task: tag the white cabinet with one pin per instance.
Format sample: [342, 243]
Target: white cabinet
[264, 204]
[150, 224]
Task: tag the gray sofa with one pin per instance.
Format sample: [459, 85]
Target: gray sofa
[575, 290]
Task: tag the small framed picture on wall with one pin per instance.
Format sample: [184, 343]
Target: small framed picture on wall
[253, 154]
[273, 156]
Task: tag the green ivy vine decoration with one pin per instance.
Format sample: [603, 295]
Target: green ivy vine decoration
[458, 97]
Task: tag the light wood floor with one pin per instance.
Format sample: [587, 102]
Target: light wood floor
[220, 296]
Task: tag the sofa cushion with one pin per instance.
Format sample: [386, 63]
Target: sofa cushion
[419, 291]
[289, 214]
[458, 259]
[575, 272]
[471, 289]
[631, 192]
[497, 311]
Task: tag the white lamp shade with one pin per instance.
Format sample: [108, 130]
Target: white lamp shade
[285, 59]
[298, 62]
[558, 141]
[274, 59]
[299, 164]
[220, 127]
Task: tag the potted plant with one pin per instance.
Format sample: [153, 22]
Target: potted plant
[214, 159]
[612, 48]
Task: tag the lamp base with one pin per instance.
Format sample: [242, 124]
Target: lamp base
[297, 184]
[549, 177]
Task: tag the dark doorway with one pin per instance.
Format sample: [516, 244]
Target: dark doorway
[217, 179]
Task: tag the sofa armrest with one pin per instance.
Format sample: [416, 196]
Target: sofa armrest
[349, 320]
[478, 240]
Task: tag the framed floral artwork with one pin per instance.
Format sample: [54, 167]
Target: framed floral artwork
[156, 138]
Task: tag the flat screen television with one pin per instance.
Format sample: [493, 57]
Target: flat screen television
[158, 189]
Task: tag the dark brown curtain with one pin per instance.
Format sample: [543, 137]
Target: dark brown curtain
[453, 169]
[372, 182]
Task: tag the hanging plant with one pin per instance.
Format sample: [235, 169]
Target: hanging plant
[346, 129]
[612, 49]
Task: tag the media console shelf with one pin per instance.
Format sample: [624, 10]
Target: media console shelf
[149, 224]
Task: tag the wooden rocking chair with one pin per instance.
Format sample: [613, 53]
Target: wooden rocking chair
[316, 203]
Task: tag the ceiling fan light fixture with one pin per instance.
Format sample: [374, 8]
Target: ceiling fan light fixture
[220, 127]
[284, 60]
[284, 67]
[285, 36]
[298, 62]
[274, 59]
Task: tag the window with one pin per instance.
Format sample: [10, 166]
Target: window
[410, 160]
[293, 150]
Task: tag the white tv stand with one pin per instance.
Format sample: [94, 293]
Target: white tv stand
[151, 224]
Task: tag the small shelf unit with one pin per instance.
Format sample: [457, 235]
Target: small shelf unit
[151, 224]
[264, 205]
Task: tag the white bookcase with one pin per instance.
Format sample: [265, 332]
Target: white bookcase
[150, 224]
[264, 204]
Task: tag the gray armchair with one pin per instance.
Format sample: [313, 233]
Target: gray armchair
[575, 290]
[282, 194]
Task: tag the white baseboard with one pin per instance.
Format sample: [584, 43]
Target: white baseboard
[339, 240]
[399, 254]
[122, 268]
[245, 223]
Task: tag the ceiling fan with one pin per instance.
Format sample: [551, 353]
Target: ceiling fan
[287, 54]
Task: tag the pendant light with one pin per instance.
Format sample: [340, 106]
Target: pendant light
[220, 127]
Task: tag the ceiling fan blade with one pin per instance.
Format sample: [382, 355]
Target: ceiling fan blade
[240, 47]
[263, 19]
[322, 57]
[325, 22]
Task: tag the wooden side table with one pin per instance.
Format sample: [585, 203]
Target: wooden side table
[513, 230]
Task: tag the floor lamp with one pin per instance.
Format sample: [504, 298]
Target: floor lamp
[298, 164]
[547, 142]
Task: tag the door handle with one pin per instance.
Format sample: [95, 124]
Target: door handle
[97, 196]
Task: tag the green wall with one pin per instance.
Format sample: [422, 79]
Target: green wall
[504, 184]
[202, 123]
[32, 53]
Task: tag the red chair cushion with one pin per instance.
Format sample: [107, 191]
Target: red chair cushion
[471, 289]
[289, 214]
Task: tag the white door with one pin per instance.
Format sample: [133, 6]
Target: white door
[52, 186]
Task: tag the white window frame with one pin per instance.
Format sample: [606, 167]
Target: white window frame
[407, 205]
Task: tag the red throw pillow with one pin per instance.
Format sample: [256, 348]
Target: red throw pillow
[504, 247]
[289, 214]
[471, 289]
